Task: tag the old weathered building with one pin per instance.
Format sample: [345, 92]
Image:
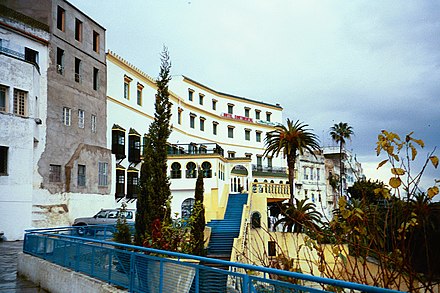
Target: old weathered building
[72, 163]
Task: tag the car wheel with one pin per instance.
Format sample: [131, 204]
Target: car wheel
[81, 230]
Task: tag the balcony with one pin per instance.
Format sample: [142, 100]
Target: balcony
[19, 52]
[265, 170]
[195, 149]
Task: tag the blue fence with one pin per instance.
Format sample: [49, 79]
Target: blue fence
[149, 270]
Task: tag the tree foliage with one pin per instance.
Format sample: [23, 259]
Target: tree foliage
[339, 133]
[197, 220]
[155, 196]
[291, 140]
[299, 217]
[122, 234]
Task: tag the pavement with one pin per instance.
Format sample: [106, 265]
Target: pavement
[9, 281]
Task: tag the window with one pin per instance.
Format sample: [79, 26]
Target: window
[67, 116]
[61, 16]
[202, 124]
[3, 161]
[190, 94]
[246, 112]
[259, 163]
[118, 142]
[78, 30]
[306, 176]
[60, 61]
[187, 208]
[230, 131]
[127, 81]
[179, 115]
[192, 121]
[95, 42]
[258, 136]
[268, 116]
[120, 182]
[191, 170]
[3, 99]
[176, 171]
[81, 175]
[134, 147]
[95, 78]
[20, 102]
[206, 169]
[311, 173]
[231, 154]
[247, 134]
[77, 70]
[201, 96]
[214, 128]
[272, 248]
[269, 163]
[230, 108]
[31, 55]
[255, 220]
[93, 123]
[54, 173]
[132, 183]
[257, 114]
[102, 174]
[140, 87]
[214, 104]
[81, 118]
[318, 175]
[313, 197]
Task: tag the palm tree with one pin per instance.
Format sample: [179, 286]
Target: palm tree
[301, 215]
[292, 140]
[339, 133]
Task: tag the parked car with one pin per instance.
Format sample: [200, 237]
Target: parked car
[103, 217]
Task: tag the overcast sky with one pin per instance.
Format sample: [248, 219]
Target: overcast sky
[372, 64]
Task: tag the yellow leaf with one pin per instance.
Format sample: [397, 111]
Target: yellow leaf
[432, 191]
[395, 182]
[434, 161]
[419, 142]
[382, 163]
[413, 153]
[397, 171]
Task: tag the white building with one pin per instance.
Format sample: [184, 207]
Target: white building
[221, 133]
[23, 103]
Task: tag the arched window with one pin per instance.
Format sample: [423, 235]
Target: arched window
[256, 220]
[191, 170]
[175, 171]
[207, 171]
[187, 208]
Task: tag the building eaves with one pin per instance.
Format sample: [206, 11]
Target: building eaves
[229, 95]
[91, 19]
[12, 14]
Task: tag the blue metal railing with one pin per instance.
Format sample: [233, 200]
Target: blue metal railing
[149, 270]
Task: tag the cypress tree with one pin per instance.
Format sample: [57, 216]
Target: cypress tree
[155, 196]
[198, 219]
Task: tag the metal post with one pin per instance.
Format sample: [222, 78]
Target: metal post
[160, 276]
[246, 284]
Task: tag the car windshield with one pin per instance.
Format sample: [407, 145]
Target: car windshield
[102, 214]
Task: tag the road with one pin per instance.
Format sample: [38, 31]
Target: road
[9, 281]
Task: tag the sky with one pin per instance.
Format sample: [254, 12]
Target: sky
[372, 64]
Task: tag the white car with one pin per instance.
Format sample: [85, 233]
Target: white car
[104, 217]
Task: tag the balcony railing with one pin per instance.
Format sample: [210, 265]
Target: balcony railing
[18, 51]
[195, 149]
[140, 269]
[268, 169]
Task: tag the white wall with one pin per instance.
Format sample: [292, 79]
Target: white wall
[24, 138]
